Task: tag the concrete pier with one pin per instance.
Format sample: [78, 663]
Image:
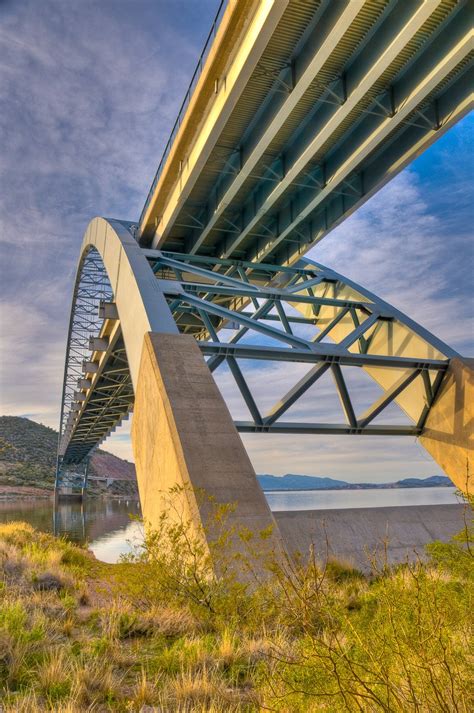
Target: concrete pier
[183, 435]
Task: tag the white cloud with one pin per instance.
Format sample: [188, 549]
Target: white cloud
[86, 107]
[31, 363]
[399, 249]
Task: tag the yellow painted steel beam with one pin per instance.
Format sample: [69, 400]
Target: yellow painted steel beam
[246, 27]
[386, 58]
[323, 53]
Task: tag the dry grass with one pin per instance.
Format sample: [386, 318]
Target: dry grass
[64, 648]
[307, 640]
[204, 688]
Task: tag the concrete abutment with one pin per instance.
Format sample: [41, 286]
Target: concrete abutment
[183, 435]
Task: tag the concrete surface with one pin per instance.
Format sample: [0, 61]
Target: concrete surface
[183, 435]
[449, 430]
[354, 533]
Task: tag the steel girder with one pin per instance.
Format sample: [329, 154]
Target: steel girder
[333, 99]
[241, 314]
[92, 287]
[103, 400]
[208, 297]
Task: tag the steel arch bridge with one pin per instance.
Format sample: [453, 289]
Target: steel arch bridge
[296, 114]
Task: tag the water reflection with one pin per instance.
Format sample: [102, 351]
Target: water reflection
[93, 518]
[105, 526]
[343, 499]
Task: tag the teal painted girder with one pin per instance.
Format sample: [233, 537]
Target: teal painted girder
[302, 187]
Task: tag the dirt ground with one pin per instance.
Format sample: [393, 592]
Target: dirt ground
[10, 492]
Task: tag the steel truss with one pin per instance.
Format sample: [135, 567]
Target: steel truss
[239, 312]
[208, 296]
[108, 398]
[92, 289]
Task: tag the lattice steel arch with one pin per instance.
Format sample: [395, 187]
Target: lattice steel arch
[203, 301]
[96, 354]
[92, 287]
[146, 291]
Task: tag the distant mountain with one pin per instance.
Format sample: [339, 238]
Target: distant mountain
[28, 458]
[434, 481]
[106, 464]
[312, 482]
[299, 482]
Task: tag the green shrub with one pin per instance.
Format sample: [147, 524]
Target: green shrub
[162, 629]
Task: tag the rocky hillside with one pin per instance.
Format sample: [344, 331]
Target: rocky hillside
[28, 458]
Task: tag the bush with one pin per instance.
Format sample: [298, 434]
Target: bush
[162, 631]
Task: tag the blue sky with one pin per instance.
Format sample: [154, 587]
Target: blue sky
[89, 92]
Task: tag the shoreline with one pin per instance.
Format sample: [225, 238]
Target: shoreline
[24, 492]
[9, 493]
[30, 492]
[374, 487]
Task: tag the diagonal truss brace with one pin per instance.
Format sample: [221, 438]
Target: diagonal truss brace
[246, 297]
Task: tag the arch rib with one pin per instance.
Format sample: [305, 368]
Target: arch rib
[169, 305]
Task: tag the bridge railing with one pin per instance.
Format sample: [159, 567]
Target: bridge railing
[185, 103]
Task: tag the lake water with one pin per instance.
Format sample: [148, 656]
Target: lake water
[109, 527]
[328, 499]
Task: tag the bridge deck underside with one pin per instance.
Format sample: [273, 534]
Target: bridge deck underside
[341, 96]
[107, 398]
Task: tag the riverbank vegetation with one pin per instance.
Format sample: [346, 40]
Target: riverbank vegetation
[157, 633]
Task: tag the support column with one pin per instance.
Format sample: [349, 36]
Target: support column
[449, 430]
[71, 480]
[183, 434]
